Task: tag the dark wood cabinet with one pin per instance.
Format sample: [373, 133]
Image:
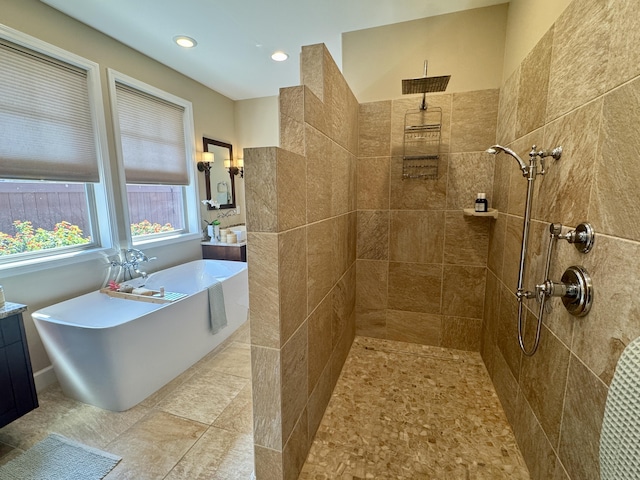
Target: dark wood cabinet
[236, 253]
[17, 389]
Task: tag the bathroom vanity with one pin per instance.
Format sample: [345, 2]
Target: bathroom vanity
[225, 251]
[16, 376]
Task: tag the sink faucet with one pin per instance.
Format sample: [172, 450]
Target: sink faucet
[132, 258]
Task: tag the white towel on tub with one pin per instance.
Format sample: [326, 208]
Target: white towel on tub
[217, 313]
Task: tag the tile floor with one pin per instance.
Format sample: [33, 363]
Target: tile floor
[399, 411]
[198, 426]
[406, 411]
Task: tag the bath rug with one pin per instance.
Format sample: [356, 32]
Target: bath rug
[59, 458]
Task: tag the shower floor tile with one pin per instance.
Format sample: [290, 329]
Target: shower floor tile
[406, 411]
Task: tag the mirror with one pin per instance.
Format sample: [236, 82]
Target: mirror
[219, 183]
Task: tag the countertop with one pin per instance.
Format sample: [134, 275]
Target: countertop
[10, 308]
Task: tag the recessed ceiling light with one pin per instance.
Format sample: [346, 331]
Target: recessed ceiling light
[279, 56]
[184, 41]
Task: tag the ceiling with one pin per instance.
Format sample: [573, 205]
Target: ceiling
[236, 37]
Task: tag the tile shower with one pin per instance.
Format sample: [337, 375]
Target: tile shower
[425, 273]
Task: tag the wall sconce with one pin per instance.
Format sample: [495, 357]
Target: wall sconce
[233, 169]
[205, 164]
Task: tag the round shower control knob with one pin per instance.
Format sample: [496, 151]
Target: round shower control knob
[580, 296]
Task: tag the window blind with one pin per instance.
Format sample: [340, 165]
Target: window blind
[153, 139]
[46, 129]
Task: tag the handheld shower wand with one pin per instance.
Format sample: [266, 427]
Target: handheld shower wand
[529, 172]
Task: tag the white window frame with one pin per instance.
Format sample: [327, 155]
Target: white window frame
[99, 195]
[191, 229]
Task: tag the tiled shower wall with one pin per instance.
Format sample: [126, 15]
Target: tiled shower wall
[301, 219]
[579, 88]
[421, 263]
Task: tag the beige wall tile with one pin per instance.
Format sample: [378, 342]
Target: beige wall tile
[291, 102]
[268, 463]
[580, 56]
[375, 129]
[264, 301]
[507, 332]
[340, 164]
[343, 300]
[296, 449]
[312, 71]
[469, 173]
[292, 135]
[292, 275]
[512, 246]
[415, 193]
[533, 443]
[601, 336]
[461, 333]
[371, 322]
[497, 235]
[373, 234]
[319, 262]
[260, 188]
[339, 355]
[318, 149]
[490, 321]
[502, 177]
[315, 113]
[318, 401]
[373, 183]
[267, 397]
[463, 291]
[613, 204]
[340, 241]
[582, 419]
[294, 364]
[319, 341]
[417, 236]
[543, 378]
[415, 287]
[466, 239]
[506, 386]
[624, 56]
[534, 86]
[291, 105]
[562, 193]
[292, 190]
[422, 328]
[507, 110]
[474, 119]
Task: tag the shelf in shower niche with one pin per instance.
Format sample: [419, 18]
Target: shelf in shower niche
[470, 212]
[156, 297]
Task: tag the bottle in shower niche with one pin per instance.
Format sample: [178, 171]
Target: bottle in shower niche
[481, 203]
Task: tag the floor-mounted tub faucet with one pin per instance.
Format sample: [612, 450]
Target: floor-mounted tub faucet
[132, 258]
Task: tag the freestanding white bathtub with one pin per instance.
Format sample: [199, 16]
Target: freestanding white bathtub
[113, 352]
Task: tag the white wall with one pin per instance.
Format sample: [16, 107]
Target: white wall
[467, 45]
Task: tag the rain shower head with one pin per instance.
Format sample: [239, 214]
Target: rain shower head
[425, 84]
[495, 149]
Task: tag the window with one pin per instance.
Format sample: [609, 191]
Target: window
[155, 131]
[50, 159]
